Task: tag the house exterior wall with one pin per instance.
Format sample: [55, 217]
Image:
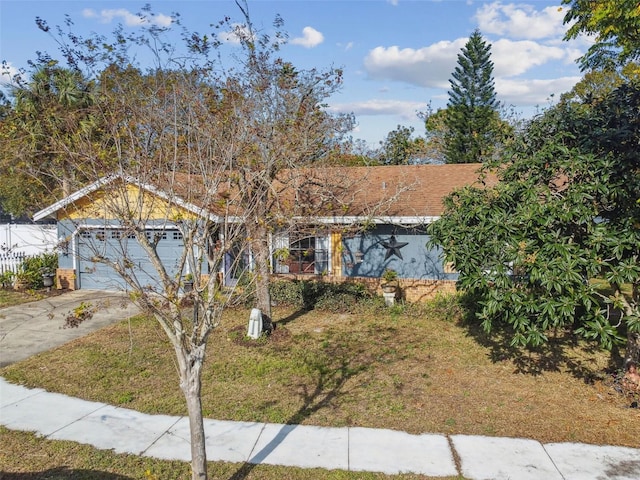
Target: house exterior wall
[362, 259]
[66, 229]
[366, 255]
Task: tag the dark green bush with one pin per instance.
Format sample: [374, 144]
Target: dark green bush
[286, 293]
[311, 294]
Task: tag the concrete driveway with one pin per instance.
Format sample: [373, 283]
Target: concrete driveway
[35, 327]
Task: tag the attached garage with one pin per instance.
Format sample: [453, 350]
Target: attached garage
[94, 244]
[115, 245]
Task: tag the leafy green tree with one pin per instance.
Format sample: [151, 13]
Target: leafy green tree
[399, 148]
[534, 249]
[472, 107]
[595, 84]
[51, 112]
[616, 26]
[435, 124]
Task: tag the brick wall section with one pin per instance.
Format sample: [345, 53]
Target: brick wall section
[422, 290]
[66, 279]
[411, 290]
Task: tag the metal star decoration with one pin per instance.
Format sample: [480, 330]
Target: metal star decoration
[393, 247]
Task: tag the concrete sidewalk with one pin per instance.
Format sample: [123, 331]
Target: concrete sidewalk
[59, 417]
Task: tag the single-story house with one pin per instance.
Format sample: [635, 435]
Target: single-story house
[378, 221]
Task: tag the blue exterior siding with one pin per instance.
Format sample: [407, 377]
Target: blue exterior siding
[66, 254]
[364, 255]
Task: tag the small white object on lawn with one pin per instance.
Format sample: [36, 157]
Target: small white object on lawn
[255, 324]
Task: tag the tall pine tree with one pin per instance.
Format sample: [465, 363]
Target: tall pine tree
[472, 120]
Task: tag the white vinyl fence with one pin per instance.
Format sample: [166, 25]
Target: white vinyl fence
[19, 242]
[31, 240]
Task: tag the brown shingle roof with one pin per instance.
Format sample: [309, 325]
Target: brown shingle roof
[382, 191]
[399, 191]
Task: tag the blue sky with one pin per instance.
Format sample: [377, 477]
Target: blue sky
[397, 55]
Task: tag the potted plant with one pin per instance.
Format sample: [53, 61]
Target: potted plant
[187, 282]
[389, 281]
[47, 277]
[389, 286]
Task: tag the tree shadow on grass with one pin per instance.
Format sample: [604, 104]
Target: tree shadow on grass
[63, 473]
[564, 350]
[331, 373]
[290, 318]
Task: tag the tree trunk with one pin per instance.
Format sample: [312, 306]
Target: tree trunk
[260, 250]
[190, 384]
[633, 338]
[68, 171]
[633, 347]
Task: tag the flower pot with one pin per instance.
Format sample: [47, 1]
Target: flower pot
[389, 298]
[389, 287]
[47, 280]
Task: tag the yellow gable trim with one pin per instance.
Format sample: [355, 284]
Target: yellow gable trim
[120, 201]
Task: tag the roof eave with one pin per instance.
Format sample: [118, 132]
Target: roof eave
[49, 211]
[389, 219]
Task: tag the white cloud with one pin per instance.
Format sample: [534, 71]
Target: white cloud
[521, 21]
[310, 38]
[515, 58]
[346, 46]
[239, 31]
[427, 67]
[404, 109]
[163, 20]
[129, 19]
[432, 66]
[532, 92]
[7, 74]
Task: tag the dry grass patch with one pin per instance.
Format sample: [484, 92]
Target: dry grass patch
[415, 370]
[9, 297]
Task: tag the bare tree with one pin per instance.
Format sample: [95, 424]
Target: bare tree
[279, 124]
[168, 181]
[194, 148]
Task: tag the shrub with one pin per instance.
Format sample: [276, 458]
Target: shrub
[311, 294]
[31, 270]
[288, 293]
[450, 307]
[6, 279]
